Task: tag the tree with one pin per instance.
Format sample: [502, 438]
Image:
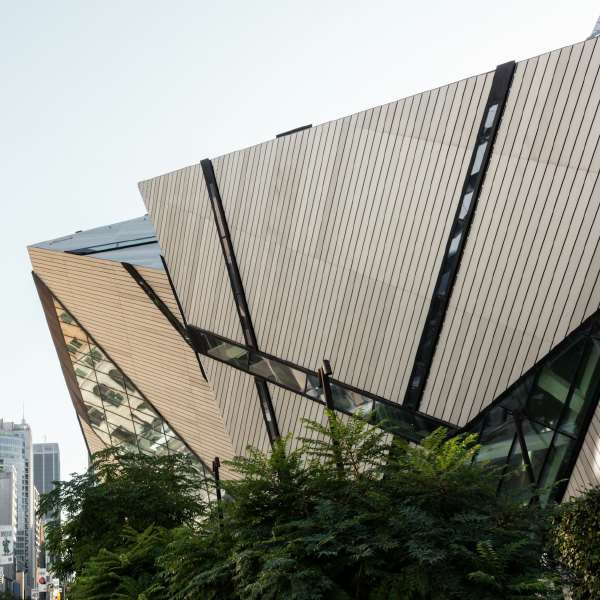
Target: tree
[577, 542]
[119, 493]
[394, 522]
[132, 574]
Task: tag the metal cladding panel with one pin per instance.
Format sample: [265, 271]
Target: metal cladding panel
[587, 468]
[530, 266]
[94, 443]
[117, 313]
[339, 229]
[179, 206]
[290, 408]
[237, 397]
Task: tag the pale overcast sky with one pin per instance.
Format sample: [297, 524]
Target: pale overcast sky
[98, 95]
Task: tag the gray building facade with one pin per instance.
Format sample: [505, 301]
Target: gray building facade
[46, 468]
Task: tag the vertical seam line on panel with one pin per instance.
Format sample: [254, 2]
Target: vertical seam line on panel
[459, 230]
[239, 295]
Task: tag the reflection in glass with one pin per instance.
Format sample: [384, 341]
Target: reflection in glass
[586, 383]
[275, 371]
[556, 467]
[497, 437]
[537, 439]
[553, 383]
[225, 351]
[479, 157]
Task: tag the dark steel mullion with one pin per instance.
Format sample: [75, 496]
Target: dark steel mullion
[439, 303]
[237, 288]
[505, 467]
[523, 445]
[324, 373]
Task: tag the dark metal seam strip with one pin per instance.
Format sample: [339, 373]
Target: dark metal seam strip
[238, 291]
[458, 233]
[164, 309]
[118, 367]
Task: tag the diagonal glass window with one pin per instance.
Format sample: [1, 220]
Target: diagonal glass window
[551, 405]
[118, 412]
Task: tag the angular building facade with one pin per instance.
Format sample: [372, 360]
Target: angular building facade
[442, 252]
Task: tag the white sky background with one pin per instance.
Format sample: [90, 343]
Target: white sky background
[98, 95]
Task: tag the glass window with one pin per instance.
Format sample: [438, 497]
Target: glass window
[225, 351]
[91, 398]
[110, 396]
[121, 380]
[349, 401]
[517, 398]
[105, 437]
[586, 384]
[313, 388]
[479, 157]
[556, 466]
[497, 437]
[466, 203]
[537, 439]
[551, 388]
[278, 372]
[122, 431]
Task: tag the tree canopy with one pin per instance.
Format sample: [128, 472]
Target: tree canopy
[369, 518]
[119, 493]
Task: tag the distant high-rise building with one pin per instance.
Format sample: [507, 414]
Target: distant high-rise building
[46, 468]
[16, 450]
[8, 512]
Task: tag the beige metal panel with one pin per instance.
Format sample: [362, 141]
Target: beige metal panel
[290, 408]
[94, 443]
[528, 273]
[240, 408]
[180, 210]
[327, 226]
[117, 313]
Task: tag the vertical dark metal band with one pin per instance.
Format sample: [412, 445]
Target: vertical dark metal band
[523, 446]
[238, 291]
[459, 232]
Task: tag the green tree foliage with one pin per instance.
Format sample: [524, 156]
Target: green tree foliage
[577, 542]
[119, 493]
[394, 522]
[131, 574]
